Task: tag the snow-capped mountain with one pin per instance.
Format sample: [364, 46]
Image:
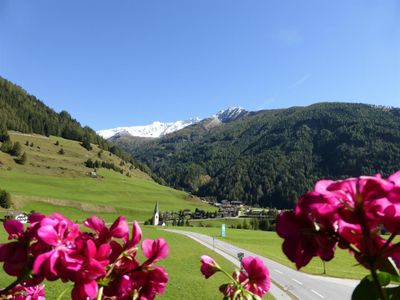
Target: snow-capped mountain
[159, 129]
[154, 130]
[230, 114]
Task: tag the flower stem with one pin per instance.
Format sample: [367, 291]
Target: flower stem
[381, 293]
[227, 274]
[11, 286]
[100, 293]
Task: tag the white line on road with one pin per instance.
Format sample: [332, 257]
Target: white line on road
[318, 294]
[295, 280]
[277, 271]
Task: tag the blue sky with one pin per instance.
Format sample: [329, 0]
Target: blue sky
[119, 63]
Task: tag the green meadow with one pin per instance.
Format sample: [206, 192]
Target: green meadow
[51, 182]
[269, 244]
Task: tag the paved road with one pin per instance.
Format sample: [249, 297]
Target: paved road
[292, 284]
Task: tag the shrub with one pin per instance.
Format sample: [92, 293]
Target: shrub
[86, 144]
[22, 159]
[16, 149]
[89, 164]
[5, 199]
[7, 146]
[3, 134]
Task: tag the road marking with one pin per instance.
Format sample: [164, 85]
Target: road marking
[277, 271]
[318, 294]
[295, 280]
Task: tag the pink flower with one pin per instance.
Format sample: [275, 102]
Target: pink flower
[119, 229]
[54, 248]
[15, 257]
[149, 282]
[358, 198]
[302, 240]
[154, 250]
[208, 266]
[58, 234]
[14, 228]
[20, 292]
[35, 293]
[256, 278]
[93, 268]
[146, 282]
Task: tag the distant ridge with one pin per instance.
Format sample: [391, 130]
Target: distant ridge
[159, 129]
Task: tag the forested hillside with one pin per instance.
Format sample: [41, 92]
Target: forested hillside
[270, 157]
[23, 112]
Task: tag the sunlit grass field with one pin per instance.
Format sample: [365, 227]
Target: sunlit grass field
[269, 244]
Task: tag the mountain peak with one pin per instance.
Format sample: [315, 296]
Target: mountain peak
[230, 114]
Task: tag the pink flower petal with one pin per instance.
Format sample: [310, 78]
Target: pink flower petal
[119, 228]
[155, 250]
[48, 235]
[13, 226]
[40, 261]
[95, 224]
[91, 289]
[136, 235]
[90, 250]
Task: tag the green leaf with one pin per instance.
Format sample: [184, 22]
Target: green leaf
[365, 290]
[384, 278]
[393, 293]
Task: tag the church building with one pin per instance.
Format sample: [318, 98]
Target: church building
[156, 215]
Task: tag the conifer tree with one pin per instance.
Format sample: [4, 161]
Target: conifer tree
[7, 146]
[5, 199]
[22, 159]
[16, 149]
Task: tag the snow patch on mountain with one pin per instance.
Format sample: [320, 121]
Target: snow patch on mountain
[230, 114]
[154, 130]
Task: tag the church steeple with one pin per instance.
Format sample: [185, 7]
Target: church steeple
[156, 215]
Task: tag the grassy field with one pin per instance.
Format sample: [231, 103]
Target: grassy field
[182, 265]
[53, 182]
[269, 244]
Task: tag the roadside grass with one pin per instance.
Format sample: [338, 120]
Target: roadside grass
[53, 182]
[182, 265]
[269, 244]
